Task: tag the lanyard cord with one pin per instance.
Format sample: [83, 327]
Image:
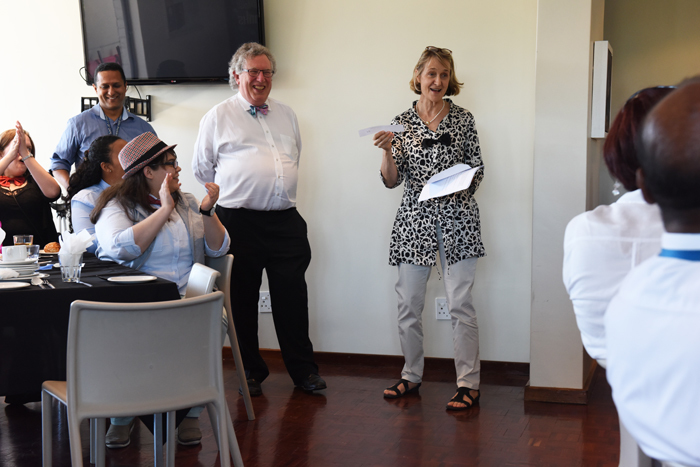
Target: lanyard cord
[109, 125]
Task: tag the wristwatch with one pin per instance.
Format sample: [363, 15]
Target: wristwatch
[206, 213]
[27, 156]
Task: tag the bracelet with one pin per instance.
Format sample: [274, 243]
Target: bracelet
[27, 156]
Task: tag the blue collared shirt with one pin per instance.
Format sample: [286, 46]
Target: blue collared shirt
[86, 127]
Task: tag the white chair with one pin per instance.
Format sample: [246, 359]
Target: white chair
[223, 283]
[129, 359]
[201, 281]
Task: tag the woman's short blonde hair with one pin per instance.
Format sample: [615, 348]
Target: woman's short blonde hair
[445, 57]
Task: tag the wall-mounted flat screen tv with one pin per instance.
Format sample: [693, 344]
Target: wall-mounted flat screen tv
[169, 41]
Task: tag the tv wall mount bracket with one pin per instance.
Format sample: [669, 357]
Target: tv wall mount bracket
[140, 107]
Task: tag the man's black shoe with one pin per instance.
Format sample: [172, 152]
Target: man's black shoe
[312, 383]
[254, 388]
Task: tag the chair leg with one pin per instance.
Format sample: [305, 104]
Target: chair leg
[98, 436]
[170, 451]
[239, 367]
[93, 432]
[76, 446]
[233, 447]
[630, 453]
[46, 430]
[232, 441]
[213, 420]
[158, 440]
[218, 423]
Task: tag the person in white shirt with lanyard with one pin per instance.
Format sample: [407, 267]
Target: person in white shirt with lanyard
[250, 145]
[652, 323]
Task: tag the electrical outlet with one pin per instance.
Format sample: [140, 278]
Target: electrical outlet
[441, 311]
[264, 304]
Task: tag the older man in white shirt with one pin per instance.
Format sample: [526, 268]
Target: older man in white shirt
[250, 145]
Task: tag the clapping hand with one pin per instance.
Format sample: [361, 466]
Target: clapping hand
[166, 199]
[212, 196]
[19, 133]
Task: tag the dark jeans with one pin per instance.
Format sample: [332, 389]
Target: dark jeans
[277, 242]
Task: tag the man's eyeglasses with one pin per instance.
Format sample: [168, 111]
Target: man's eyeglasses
[438, 50]
[254, 73]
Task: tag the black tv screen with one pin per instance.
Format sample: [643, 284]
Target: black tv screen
[169, 41]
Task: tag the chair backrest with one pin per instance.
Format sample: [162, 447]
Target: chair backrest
[201, 281]
[138, 358]
[223, 264]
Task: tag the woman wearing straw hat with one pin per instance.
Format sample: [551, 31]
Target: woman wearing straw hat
[148, 224]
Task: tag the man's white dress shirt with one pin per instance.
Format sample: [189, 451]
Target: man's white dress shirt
[653, 347]
[253, 159]
[600, 247]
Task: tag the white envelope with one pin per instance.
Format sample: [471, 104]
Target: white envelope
[452, 180]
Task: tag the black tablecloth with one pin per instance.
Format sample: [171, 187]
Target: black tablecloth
[34, 321]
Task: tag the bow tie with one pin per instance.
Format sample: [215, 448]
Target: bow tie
[7, 181]
[254, 109]
[443, 139]
[153, 200]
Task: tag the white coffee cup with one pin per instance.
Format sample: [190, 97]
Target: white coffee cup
[14, 253]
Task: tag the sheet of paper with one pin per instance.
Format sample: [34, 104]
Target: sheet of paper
[452, 180]
[375, 129]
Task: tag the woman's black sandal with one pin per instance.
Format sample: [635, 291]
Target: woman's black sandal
[463, 392]
[397, 392]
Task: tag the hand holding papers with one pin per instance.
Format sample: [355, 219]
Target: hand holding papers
[452, 180]
[374, 129]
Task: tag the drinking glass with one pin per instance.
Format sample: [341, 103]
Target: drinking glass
[32, 251]
[71, 265]
[23, 239]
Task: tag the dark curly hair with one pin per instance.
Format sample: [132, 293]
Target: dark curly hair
[89, 173]
[619, 149]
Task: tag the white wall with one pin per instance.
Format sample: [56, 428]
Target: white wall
[344, 66]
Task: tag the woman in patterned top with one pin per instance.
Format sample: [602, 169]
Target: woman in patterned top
[437, 135]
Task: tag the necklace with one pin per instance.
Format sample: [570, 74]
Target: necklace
[427, 123]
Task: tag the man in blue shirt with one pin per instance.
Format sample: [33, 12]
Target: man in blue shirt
[109, 117]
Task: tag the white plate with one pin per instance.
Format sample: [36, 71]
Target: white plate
[21, 271]
[22, 261]
[48, 252]
[13, 285]
[23, 277]
[128, 279]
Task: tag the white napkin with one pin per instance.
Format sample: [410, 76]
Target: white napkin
[6, 273]
[2, 236]
[72, 246]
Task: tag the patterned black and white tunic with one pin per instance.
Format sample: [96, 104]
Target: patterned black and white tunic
[414, 236]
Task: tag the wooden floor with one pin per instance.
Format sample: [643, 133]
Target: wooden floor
[350, 424]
